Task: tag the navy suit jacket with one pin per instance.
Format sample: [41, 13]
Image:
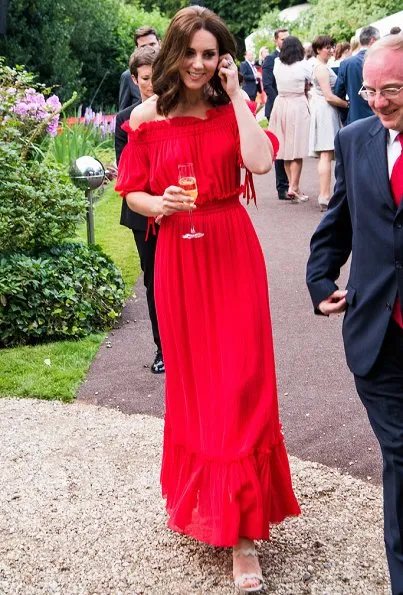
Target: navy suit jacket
[362, 219]
[349, 82]
[249, 80]
[127, 217]
[269, 81]
[129, 92]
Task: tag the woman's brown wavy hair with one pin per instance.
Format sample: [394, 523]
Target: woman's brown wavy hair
[167, 83]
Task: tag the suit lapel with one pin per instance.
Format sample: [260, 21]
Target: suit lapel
[377, 156]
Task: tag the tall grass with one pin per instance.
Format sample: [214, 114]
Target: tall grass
[78, 140]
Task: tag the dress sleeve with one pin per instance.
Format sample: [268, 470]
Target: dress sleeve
[133, 170]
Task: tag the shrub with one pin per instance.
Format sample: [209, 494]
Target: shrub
[48, 290]
[68, 291]
[39, 205]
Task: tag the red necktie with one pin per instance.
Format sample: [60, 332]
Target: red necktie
[396, 185]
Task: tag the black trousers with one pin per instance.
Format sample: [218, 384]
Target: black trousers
[281, 176]
[146, 250]
[381, 392]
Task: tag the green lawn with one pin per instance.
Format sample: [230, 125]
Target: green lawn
[55, 370]
[50, 371]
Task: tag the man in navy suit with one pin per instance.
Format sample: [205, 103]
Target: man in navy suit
[270, 88]
[349, 77]
[140, 64]
[250, 76]
[129, 92]
[365, 218]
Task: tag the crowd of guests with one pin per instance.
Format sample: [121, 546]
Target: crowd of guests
[309, 91]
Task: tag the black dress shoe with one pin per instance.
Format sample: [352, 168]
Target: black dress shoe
[157, 367]
[284, 196]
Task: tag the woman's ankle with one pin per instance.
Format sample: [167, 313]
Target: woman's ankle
[244, 543]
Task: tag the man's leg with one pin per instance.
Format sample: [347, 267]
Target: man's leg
[146, 250]
[281, 179]
[382, 394]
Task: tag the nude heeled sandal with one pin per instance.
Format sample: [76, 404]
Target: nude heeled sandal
[246, 577]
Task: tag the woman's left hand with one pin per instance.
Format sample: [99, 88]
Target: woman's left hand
[228, 73]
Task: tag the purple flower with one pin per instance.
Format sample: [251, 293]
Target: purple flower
[53, 102]
[33, 106]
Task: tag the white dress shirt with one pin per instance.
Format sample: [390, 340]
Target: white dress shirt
[393, 149]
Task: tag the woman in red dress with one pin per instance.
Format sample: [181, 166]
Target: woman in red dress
[225, 472]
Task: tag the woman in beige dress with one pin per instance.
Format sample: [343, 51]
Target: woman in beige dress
[290, 117]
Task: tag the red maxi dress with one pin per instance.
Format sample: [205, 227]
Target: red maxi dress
[225, 471]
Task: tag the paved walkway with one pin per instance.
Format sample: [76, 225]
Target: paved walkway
[321, 413]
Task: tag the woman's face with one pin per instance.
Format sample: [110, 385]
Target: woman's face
[201, 60]
[326, 53]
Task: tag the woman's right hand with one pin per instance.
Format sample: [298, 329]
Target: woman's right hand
[175, 199]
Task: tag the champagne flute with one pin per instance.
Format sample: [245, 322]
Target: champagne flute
[187, 181]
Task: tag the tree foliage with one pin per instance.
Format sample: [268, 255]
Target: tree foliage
[342, 20]
[167, 7]
[327, 17]
[75, 44]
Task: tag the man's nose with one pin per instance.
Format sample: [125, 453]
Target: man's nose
[379, 100]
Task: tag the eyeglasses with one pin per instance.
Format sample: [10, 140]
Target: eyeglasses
[389, 93]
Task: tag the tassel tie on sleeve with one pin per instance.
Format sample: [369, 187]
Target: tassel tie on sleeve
[150, 226]
[248, 189]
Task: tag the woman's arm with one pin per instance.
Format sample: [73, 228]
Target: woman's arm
[173, 200]
[256, 149]
[144, 203]
[322, 74]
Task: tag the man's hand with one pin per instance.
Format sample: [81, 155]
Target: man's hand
[335, 303]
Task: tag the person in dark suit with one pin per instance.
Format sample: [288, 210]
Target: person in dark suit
[250, 76]
[129, 92]
[270, 88]
[365, 218]
[140, 63]
[349, 77]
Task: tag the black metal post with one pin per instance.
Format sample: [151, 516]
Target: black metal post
[90, 218]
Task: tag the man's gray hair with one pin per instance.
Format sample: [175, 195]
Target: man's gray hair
[368, 33]
[389, 42]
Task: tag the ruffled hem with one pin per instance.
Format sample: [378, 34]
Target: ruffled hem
[218, 501]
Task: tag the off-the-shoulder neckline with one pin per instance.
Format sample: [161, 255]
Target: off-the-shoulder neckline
[211, 113]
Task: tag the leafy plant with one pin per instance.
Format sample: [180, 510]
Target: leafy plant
[39, 206]
[78, 140]
[68, 291]
[48, 290]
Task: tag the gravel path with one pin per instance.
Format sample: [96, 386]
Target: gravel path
[81, 513]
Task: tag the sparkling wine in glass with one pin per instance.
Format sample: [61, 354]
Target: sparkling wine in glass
[187, 181]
